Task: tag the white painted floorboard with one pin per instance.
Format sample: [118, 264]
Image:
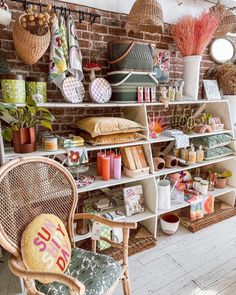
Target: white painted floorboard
[203, 263]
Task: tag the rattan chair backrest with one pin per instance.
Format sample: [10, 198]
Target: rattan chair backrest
[29, 187]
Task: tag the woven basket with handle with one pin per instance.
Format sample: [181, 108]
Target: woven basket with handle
[131, 55]
[29, 48]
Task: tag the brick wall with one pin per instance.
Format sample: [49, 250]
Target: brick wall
[110, 26]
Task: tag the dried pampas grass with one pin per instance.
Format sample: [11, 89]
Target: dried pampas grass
[192, 35]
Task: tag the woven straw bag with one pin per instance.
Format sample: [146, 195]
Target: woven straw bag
[146, 16]
[29, 48]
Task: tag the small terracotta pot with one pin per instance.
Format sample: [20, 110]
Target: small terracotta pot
[24, 140]
[171, 161]
[159, 163]
[221, 183]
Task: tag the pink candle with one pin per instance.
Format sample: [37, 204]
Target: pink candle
[106, 168]
[100, 155]
[111, 155]
[117, 166]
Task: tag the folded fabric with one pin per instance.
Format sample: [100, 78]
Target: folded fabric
[113, 138]
[75, 55]
[63, 33]
[196, 208]
[208, 204]
[181, 140]
[212, 141]
[217, 153]
[97, 126]
[77, 156]
[58, 65]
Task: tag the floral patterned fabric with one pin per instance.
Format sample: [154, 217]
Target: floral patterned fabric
[97, 272]
[217, 153]
[58, 65]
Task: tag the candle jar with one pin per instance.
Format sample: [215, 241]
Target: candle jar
[100, 155]
[204, 187]
[117, 167]
[197, 184]
[106, 168]
[50, 144]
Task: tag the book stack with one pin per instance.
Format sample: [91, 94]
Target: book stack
[134, 161]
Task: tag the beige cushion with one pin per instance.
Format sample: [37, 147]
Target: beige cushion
[45, 245]
[97, 126]
[113, 138]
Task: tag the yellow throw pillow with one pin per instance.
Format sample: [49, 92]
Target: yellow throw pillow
[45, 245]
[97, 126]
[113, 138]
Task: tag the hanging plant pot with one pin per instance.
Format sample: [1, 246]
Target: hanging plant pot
[24, 140]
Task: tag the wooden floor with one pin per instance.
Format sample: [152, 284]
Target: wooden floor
[184, 264]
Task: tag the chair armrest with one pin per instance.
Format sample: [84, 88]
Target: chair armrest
[17, 268]
[117, 224]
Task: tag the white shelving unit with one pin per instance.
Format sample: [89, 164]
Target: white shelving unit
[138, 112]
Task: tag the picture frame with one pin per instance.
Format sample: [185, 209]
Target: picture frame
[162, 65]
[211, 90]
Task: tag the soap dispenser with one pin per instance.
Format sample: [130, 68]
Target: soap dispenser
[200, 154]
[192, 155]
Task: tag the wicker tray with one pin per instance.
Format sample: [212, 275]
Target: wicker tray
[140, 240]
[219, 215]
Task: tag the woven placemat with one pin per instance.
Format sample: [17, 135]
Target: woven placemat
[139, 241]
[222, 212]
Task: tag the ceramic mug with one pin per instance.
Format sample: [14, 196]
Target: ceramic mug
[5, 15]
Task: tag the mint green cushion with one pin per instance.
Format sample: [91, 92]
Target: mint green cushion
[217, 153]
[212, 141]
[97, 272]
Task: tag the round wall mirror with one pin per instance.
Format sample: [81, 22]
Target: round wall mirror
[222, 50]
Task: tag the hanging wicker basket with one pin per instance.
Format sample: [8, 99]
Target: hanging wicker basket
[29, 48]
[146, 16]
[227, 20]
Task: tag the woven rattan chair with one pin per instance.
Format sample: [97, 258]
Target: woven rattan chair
[35, 185]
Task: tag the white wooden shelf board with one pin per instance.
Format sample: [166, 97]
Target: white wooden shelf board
[10, 154]
[135, 218]
[99, 183]
[176, 206]
[162, 138]
[111, 104]
[167, 171]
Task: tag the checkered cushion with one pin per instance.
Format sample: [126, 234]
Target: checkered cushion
[97, 272]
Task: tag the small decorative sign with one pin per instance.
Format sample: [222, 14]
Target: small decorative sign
[211, 90]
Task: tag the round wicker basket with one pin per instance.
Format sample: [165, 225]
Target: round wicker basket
[29, 48]
[146, 16]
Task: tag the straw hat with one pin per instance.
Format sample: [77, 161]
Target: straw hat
[146, 16]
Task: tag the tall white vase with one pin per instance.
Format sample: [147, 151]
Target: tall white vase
[191, 76]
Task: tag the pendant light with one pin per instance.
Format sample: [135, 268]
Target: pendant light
[145, 16]
[227, 20]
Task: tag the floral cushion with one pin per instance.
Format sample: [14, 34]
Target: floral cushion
[97, 272]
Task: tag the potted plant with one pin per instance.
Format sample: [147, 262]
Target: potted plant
[22, 122]
[221, 180]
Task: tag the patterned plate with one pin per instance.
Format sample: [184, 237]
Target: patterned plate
[73, 90]
[100, 90]
[84, 180]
